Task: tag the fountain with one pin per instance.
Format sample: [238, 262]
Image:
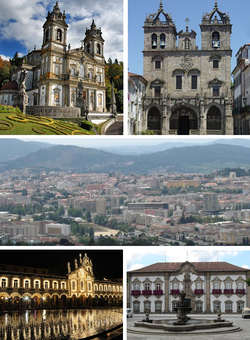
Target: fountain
[184, 323]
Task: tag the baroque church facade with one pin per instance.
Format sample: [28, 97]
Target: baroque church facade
[24, 287]
[209, 286]
[54, 71]
[188, 89]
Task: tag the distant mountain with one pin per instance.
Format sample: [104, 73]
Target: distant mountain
[234, 141]
[134, 149]
[180, 159]
[11, 148]
[142, 149]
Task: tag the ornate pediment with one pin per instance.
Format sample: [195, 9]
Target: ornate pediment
[215, 82]
[157, 82]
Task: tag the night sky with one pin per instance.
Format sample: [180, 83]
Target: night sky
[106, 263]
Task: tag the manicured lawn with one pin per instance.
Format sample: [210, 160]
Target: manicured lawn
[13, 122]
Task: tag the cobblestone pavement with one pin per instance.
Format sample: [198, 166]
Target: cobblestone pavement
[244, 334]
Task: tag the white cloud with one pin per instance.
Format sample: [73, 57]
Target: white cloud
[136, 266]
[245, 266]
[23, 20]
[4, 57]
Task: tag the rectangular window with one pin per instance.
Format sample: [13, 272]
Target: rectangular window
[15, 283]
[178, 82]
[228, 306]
[215, 63]
[57, 69]
[194, 82]
[157, 64]
[56, 97]
[216, 91]
[157, 91]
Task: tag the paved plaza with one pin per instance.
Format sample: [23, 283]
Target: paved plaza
[224, 334]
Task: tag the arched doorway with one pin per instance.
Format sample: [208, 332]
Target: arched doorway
[214, 119]
[183, 120]
[154, 120]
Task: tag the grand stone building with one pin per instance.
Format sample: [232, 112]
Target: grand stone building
[23, 287]
[208, 286]
[188, 90]
[54, 71]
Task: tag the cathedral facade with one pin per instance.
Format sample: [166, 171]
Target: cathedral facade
[54, 71]
[24, 287]
[188, 89]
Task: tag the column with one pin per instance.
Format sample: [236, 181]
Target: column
[208, 293]
[129, 302]
[166, 292]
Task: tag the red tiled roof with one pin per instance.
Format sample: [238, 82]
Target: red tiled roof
[199, 266]
[12, 85]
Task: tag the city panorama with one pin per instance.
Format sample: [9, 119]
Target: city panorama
[108, 193]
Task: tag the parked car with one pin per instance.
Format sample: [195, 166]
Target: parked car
[245, 313]
[129, 313]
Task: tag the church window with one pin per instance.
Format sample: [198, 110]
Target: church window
[158, 64]
[215, 40]
[100, 100]
[154, 41]
[157, 91]
[73, 71]
[162, 41]
[187, 44]
[98, 49]
[214, 123]
[88, 48]
[56, 97]
[194, 80]
[215, 63]
[46, 35]
[81, 285]
[73, 285]
[216, 91]
[59, 35]
[178, 82]
[89, 286]
[57, 69]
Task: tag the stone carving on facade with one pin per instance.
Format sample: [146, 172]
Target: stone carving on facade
[80, 102]
[21, 98]
[186, 63]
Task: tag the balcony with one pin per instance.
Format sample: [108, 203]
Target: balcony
[135, 292]
[240, 291]
[217, 291]
[228, 291]
[147, 292]
[174, 291]
[158, 292]
[199, 291]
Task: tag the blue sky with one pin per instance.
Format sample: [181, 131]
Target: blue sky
[138, 257]
[180, 10]
[21, 24]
